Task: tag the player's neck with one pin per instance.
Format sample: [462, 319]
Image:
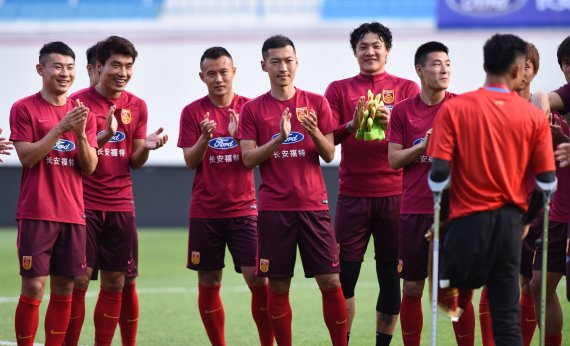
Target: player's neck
[525, 93]
[432, 97]
[500, 81]
[221, 101]
[53, 99]
[283, 93]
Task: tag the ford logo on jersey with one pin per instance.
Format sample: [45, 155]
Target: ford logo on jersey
[118, 137]
[418, 141]
[485, 8]
[223, 143]
[64, 145]
[294, 137]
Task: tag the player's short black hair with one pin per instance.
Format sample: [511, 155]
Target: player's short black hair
[276, 41]
[563, 52]
[501, 51]
[92, 55]
[57, 47]
[115, 45]
[429, 47]
[376, 28]
[213, 53]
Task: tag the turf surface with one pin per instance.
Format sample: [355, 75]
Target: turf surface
[168, 299]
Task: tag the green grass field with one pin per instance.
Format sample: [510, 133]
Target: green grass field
[168, 300]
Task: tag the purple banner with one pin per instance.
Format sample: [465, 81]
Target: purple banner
[502, 13]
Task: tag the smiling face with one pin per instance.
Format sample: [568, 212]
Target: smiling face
[115, 74]
[218, 75]
[371, 54]
[58, 73]
[281, 65]
[436, 72]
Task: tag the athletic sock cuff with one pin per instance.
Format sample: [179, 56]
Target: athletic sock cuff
[60, 299]
[31, 301]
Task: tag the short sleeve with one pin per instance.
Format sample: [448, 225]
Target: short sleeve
[189, 130]
[21, 124]
[247, 129]
[443, 140]
[395, 127]
[140, 132]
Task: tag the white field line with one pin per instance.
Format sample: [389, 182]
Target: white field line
[193, 290]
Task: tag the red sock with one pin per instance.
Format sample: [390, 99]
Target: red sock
[334, 312]
[129, 319]
[553, 340]
[106, 316]
[281, 317]
[212, 313]
[260, 316]
[57, 319]
[77, 317]
[465, 328]
[411, 320]
[26, 320]
[485, 320]
[528, 318]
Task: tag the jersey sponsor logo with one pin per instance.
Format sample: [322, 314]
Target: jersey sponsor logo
[263, 265]
[418, 141]
[388, 96]
[223, 143]
[195, 258]
[485, 8]
[302, 112]
[64, 145]
[126, 117]
[118, 137]
[27, 262]
[294, 137]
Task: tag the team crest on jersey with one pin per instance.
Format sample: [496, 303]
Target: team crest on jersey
[388, 96]
[302, 112]
[27, 262]
[126, 117]
[400, 266]
[264, 265]
[195, 258]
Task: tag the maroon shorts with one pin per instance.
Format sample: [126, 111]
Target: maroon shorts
[51, 248]
[529, 245]
[112, 241]
[279, 234]
[557, 249]
[359, 217]
[207, 241]
[413, 248]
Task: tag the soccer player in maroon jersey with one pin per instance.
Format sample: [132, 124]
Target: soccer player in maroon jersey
[5, 146]
[558, 231]
[369, 189]
[112, 243]
[285, 131]
[55, 140]
[408, 136]
[488, 150]
[223, 209]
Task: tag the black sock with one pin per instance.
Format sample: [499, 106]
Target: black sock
[383, 339]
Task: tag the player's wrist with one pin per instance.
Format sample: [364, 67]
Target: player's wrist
[349, 127]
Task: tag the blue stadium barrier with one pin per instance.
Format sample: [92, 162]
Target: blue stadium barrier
[379, 9]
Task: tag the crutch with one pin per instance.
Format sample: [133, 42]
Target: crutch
[437, 189]
[547, 191]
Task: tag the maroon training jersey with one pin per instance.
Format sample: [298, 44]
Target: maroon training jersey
[560, 208]
[564, 93]
[222, 187]
[409, 122]
[291, 177]
[51, 190]
[109, 188]
[364, 170]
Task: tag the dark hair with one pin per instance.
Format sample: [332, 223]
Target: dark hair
[55, 47]
[92, 54]
[533, 56]
[115, 45]
[563, 52]
[276, 41]
[214, 53]
[501, 51]
[426, 48]
[376, 28]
